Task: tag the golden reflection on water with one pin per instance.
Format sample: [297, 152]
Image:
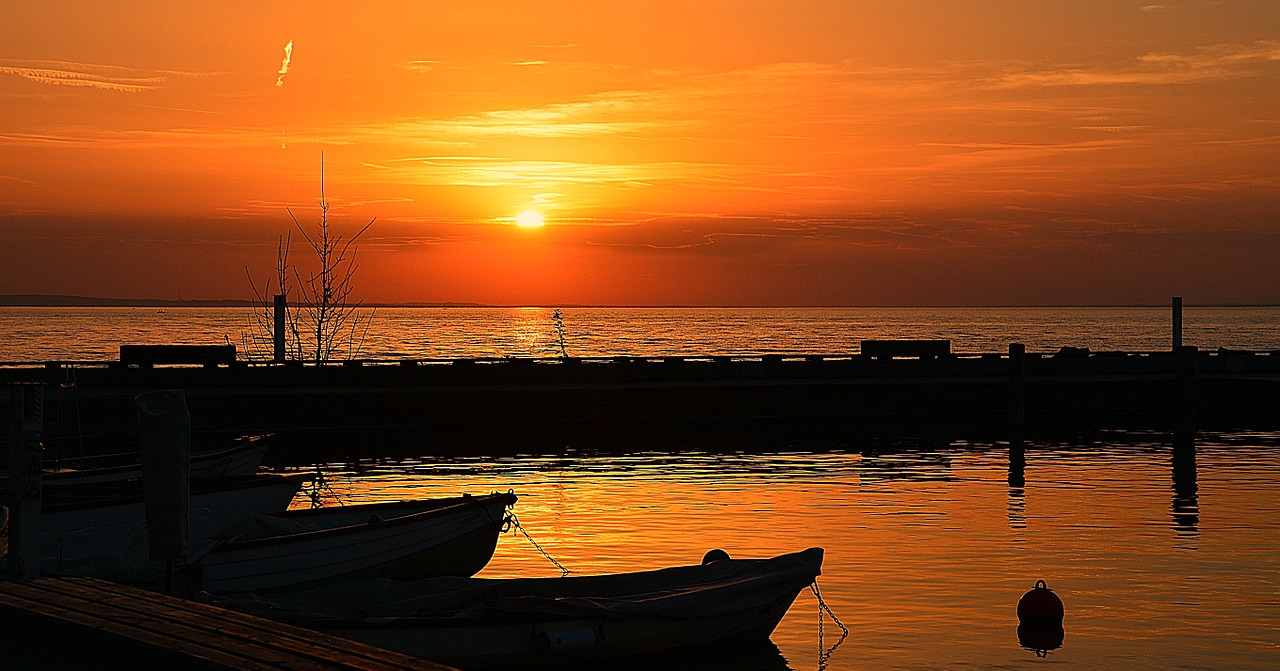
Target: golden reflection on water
[927, 552]
[95, 334]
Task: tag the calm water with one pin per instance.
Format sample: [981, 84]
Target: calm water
[86, 334]
[927, 552]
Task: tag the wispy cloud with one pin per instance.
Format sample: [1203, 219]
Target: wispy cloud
[502, 172]
[419, 65]
[284, 64]
[1217, 62]
[90, 75]
[93, 75]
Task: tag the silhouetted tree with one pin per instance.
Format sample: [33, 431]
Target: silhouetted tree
[325, 323]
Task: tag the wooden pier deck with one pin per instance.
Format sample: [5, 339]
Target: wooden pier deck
[86, 623]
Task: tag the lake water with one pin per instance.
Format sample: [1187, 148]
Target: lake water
[95, 334]
[928, 549]
[928, 546]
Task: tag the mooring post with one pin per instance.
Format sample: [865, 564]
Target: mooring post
[1185, 392]
[23, 499]
[1018, 389]
[1017, 414]
[278, 332]
[164, 439]
[1177, 322]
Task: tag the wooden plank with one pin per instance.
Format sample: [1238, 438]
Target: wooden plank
[302, 643]
[234, 623]
[199, 623]
[115, 616]
[74, 628]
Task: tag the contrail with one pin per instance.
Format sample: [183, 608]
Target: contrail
[284, 64]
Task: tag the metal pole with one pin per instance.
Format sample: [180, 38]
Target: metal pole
[1177, 322]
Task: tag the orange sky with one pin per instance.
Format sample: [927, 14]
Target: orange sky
[913, 152]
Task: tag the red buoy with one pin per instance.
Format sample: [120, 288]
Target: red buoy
[1040, 606]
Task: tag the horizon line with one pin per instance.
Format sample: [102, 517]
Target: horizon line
[70, 300]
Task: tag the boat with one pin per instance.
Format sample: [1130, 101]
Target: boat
[220, 501]
[407, 540]
[243, 458]
[477, 623]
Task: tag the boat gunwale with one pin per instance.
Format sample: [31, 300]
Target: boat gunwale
[463, 504]
[197, 488]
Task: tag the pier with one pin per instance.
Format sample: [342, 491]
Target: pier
[91, 624]
[371, 407]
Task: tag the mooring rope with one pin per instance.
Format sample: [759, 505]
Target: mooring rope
[318, 487]
[824, 653]
[515, 524]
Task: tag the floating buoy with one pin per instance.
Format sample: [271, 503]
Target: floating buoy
[1040, 606]
[714, 556]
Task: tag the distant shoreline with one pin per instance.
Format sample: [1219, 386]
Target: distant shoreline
[60, 301]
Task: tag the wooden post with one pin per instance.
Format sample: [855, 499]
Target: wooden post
[1185, 393]
[24, 490]
[164, 436]
[278, 332]
[1018, 389]
[1177, 322]
[1017, 414]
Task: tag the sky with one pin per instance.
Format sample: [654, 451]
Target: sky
[800, 152]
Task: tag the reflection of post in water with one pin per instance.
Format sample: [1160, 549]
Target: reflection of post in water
[1017, 464]
[1185, 508]
[1017, 484]
[1017, 432]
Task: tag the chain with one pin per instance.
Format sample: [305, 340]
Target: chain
[515, 524]
[824, 653]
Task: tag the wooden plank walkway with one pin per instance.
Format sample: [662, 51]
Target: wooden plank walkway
[114, 626]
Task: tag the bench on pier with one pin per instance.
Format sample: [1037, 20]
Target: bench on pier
[147, 356]
[917, 349]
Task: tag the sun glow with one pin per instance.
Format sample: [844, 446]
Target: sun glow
[529, 219]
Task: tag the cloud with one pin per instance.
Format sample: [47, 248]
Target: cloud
[85, 75]
[93, 75]
[418, 65]
[499, 171]
[284, 64]
[1217, 62]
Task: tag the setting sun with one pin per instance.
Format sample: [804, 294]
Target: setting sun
[529, 219]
